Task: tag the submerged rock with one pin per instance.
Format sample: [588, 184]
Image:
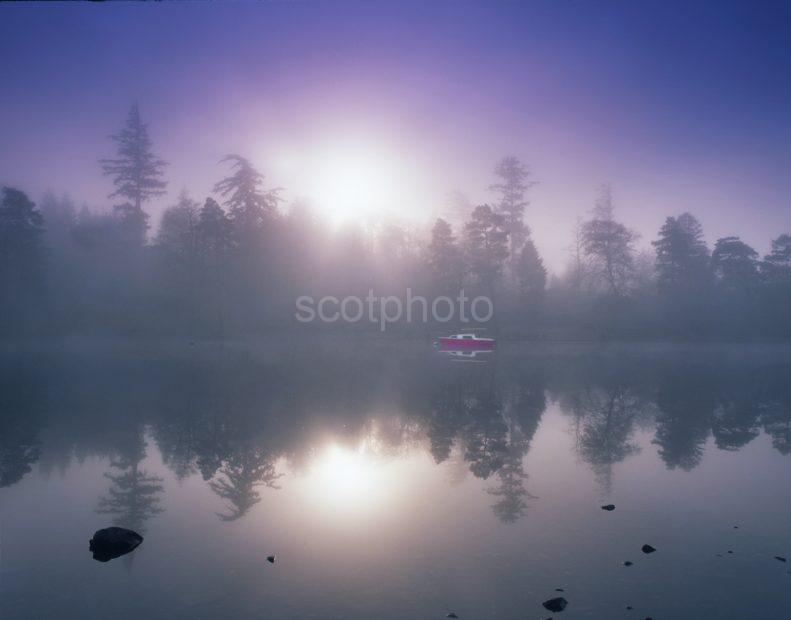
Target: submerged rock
[451, 615]
[559, 590]
[113, 542]
[780, 558]
[270, 559]
[608, 507]
[628, 563]
[555, 604]
[648, 549]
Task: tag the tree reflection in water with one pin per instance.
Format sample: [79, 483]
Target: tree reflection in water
[234, 417]
[238, 479]
[134, 495]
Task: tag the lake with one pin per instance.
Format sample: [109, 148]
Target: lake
[392, 482]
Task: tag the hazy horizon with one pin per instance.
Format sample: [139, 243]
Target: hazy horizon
[679, 108]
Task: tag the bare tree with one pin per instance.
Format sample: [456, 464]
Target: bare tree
[609, 244]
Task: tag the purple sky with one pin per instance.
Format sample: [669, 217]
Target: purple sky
[679, 107]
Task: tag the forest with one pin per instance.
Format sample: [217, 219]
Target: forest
[232, 264]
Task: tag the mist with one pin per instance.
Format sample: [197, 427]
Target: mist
[395, 310]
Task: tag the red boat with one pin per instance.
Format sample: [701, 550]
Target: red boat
[464, 342]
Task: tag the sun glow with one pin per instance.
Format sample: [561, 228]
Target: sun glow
[351, 482]
[357, 183]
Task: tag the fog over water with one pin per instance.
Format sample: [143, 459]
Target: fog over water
[395, 310]
[392, 482]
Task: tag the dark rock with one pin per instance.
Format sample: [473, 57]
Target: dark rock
[608, 507]
[729, 551]
[559, 590]
[270, 559]
[555, 604]
[780, 558]
[629, 607]
[628, 563]
[648, 549]
[451, 615]
[113, 542]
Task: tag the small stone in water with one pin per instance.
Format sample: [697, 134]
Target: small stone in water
[629, 607]
[559, 590]
[270, 559]
[555, 604]
[113, 542]
[648, 549]
[780, 558]
[729, 551]
[608, 507]
[628, 563]
[451, 615]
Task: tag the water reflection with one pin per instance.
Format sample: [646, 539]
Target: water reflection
[241, 419]
[134, 495]
[604, 426]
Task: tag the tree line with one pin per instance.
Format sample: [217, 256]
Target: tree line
[235, 262]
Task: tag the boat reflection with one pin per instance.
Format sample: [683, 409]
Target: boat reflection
[479, 357]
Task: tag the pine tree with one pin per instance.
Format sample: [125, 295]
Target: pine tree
[214, 232]
[513, 182]
[177, 236]
[251, 207]
[531, 273]
[682, 258]
[136, 173]
[21, 258]
[486, 245]
[444, 257]
[21, 228]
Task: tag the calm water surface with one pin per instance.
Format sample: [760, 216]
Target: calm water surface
[393, 483]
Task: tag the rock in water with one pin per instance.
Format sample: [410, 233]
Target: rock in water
[113, 542]
[780, 558]
[270, 559]
[608, 507]
[628, 563]
[648, 549]
[555, 604]
[451, 615]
